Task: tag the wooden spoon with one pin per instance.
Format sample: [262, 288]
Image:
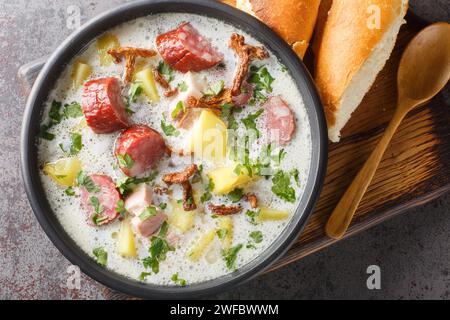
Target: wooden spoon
[424, 70]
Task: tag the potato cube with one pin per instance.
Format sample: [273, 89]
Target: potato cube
[267, 214]
[126, 246]
[104, 43]
[202, 244]
[226, 180]
[148, 84]
[63, 171]
[209, 137]
[80, 72]
[180, 219]
[225, 231]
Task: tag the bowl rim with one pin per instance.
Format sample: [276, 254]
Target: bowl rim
[77, 42]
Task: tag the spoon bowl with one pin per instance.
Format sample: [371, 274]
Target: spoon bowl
[425, 66]
[424, 70]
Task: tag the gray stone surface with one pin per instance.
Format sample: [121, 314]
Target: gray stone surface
[412, 250]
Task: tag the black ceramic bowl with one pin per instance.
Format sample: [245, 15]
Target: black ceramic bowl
[77, 42]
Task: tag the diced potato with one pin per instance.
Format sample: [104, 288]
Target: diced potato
[225, 224]
[267, 214]
[148, 84]
[63, 171]
[180, 219]
[126, 246]
[202, 244]
[226, 180]
[80, 72]
[104, 43]
[209, 137]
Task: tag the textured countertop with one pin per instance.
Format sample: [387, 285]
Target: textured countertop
[412, 250]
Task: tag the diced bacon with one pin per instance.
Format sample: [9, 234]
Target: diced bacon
[140, 199]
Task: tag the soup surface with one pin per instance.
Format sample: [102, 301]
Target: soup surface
[108, 181]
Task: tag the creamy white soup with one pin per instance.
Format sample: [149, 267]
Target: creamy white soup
[109, 184]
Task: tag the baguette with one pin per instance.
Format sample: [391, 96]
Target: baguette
[293, 20]
[351, 49]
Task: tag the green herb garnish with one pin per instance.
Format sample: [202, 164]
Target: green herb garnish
[169, 130]
[262, 79]
[101, 256]
[86, 181]
[120, 208]
[230, 256]
[178, 109]
[222, 233]
[147, 213]
[135, 91]
[69, 191]
[175, 278]
[166, 71]
[158, 251]
[236, 195]
[281, 186]
[215, 89]
[183, 87]
[296, 175]
[253, 215]
[126, 186]
[250, 122]
[144, 275]
[72, 110]
[125, 161]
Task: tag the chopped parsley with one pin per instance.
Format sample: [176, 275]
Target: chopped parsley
[147, 213]
[279, 157]
[76, 145]
[215, 89]
[72, 110]
[86, 181]
[163, 205]
[178, 109]
[207, 195]
[262, 79]
[125, 161]
[253, 215]
[169, 130]
[56, 114]
[222, 233]
[281, 186]
[135, 91]
[236, 195]
[158, 251]
[126, 186]
[296, 175]
[250, 122]
[101, 256]
[144, 275]
[98, 210]
[183, 87]
[255, 238]
[69, 191]
[120, 208]
[230, 256]
[177, 280]
[166, 71]
[163, 229]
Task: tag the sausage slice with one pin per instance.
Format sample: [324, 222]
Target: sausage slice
[185, 49]
[279, 120]
[103, 106]
[100, 203]
[138, 149]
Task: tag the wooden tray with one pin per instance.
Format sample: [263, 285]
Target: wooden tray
[415, 169]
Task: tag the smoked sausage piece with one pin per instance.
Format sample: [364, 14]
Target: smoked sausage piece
[103, 106]
[185, 49]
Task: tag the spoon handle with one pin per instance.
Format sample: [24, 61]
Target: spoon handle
[343, 214]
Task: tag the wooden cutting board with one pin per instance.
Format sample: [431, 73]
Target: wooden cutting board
[415, 169]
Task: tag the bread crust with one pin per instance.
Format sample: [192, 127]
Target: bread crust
[293, 20]
[345, 43]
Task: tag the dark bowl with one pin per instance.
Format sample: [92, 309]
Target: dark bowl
[76, 43]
